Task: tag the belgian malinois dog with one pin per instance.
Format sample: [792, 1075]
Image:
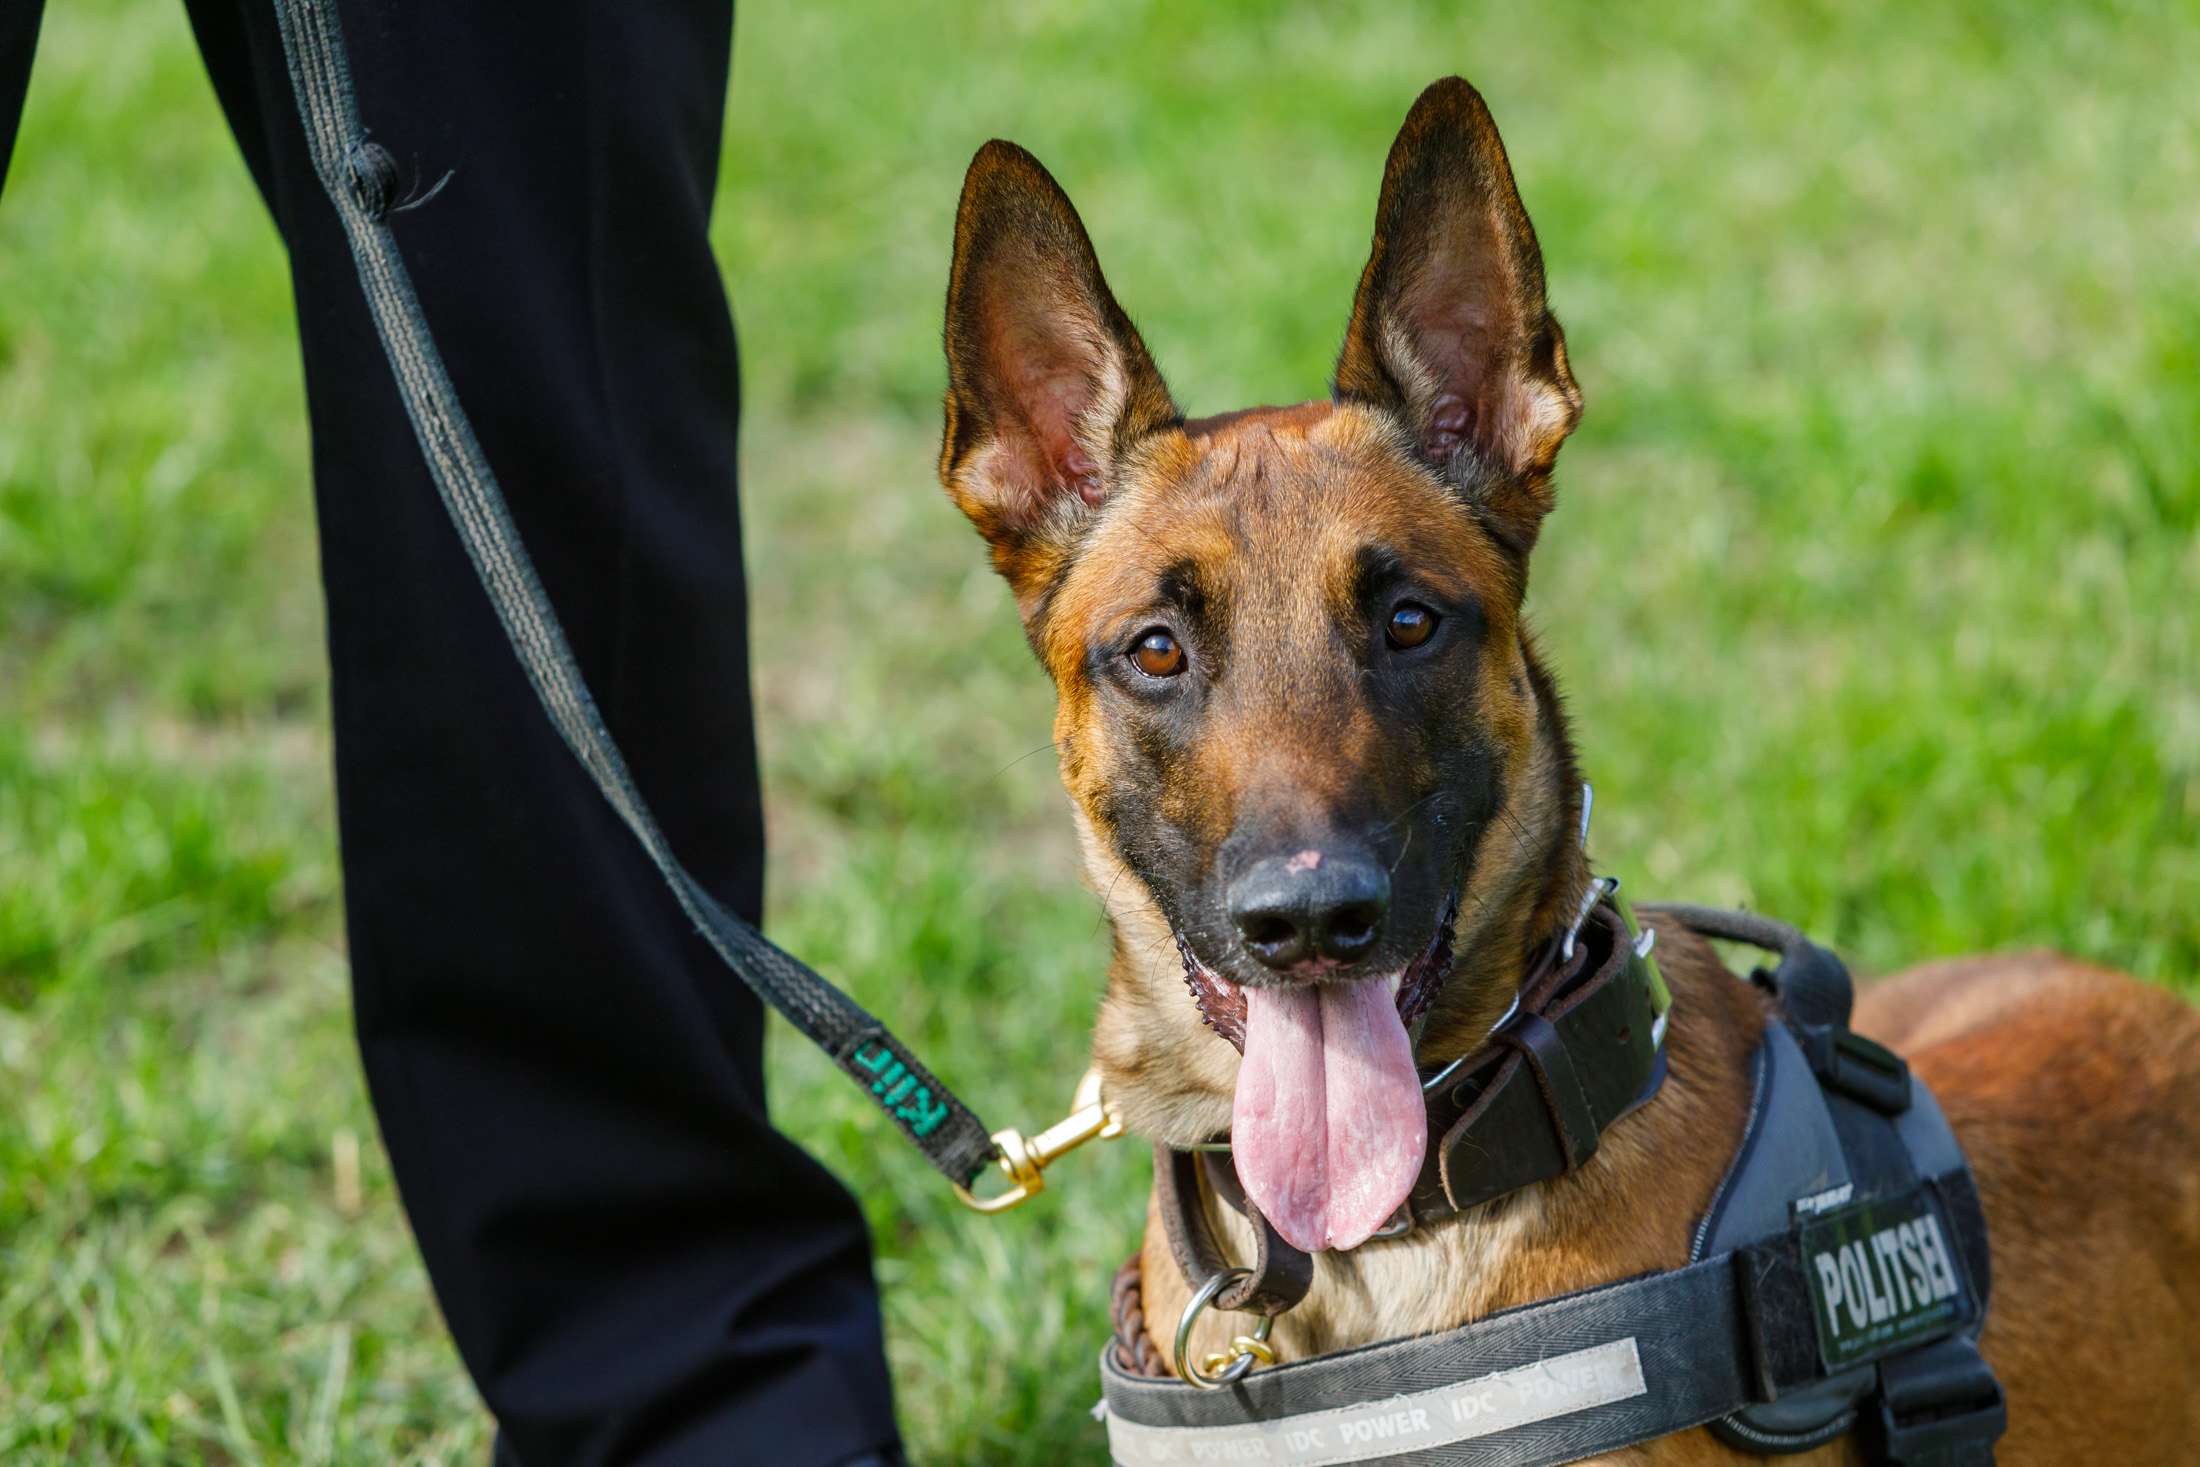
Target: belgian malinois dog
[1306, 732]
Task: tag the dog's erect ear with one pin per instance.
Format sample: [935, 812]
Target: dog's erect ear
[1449, 331]
[1048, 386]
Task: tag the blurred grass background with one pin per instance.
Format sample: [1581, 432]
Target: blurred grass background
[1875, 583]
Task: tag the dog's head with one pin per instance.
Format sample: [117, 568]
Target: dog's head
[1299, 718]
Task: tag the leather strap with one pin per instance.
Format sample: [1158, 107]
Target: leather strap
[1579, 1053]
[1281, 1274]
[1135, 1351]
[1539, 1044]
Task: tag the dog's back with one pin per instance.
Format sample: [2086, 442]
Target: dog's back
[2076, 1094]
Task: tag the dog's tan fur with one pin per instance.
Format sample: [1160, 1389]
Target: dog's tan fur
[2075, 1091]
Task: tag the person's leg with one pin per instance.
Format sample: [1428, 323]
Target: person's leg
[18, 40]
[636, 1267]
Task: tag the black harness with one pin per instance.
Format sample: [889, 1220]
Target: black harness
[1837, 1282]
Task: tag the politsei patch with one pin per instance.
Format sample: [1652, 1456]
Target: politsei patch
[1883, 1276]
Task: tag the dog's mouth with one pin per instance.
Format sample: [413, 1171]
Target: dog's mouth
[1327, 1128]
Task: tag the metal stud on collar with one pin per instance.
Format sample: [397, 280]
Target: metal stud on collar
[1598, 888]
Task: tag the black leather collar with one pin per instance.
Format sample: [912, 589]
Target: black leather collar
[1580, 1051]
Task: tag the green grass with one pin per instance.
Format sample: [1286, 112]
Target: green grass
[1875, 585]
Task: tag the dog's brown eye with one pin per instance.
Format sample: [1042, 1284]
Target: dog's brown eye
[1410, 626]
[1158, 655]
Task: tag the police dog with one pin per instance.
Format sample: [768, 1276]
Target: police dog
[1305, 730]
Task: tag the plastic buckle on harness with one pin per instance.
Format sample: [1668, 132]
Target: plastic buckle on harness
[1851, 1065]
[1937, 1407]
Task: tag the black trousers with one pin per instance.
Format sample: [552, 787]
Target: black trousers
[636, 1267]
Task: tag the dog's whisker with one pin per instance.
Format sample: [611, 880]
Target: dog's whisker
[1046, 747]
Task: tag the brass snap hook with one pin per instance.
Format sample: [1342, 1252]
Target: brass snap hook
[1024, 1162]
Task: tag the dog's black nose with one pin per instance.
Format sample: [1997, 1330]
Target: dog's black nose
[1310, 907]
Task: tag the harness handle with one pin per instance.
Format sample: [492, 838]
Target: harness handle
[1810, 982]
[1814, 990]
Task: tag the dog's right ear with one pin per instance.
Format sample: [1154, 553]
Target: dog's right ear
[1049, 389]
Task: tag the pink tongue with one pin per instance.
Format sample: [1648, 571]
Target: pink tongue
[1328, 1128]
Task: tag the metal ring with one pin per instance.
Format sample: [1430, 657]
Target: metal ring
[1242, 1359]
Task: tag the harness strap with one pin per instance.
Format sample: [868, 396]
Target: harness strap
[1533, 1387]
[1811, 983]
[1838, 1281]
[1567, 1378]
[1281, 1274]
[352, 172]
[1572, 1121]
[1854, 1134]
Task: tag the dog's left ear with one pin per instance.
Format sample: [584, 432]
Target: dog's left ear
[1450, 333]
[1050, 391]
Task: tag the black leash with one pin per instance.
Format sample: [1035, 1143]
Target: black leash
[356, 174]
